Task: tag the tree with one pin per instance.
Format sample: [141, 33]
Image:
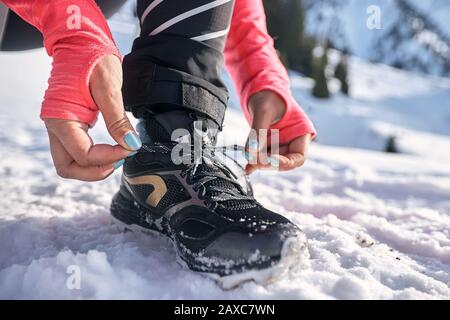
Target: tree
[320, 89]
[292, 31]
[273, 9]
[341, 73]
[285, 22]
[306, 56]
[391, 145]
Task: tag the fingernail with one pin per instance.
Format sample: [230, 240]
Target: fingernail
[248, 156]
[253, 144]
[274, 162]
[118, 164]
[132, 154]
[133, 141]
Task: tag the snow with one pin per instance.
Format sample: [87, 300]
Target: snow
[378, 224]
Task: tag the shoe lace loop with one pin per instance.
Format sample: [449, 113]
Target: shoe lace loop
[216, 183]
[209, 175]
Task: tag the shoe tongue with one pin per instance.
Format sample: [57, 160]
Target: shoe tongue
[179, 126]
[224, 185]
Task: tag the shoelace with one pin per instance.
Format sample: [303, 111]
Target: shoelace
[199, 176]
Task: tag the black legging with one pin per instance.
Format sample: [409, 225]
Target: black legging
[177, 60]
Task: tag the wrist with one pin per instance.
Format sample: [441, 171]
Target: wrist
[267, 104]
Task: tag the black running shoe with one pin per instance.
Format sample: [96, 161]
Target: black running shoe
[212, 218]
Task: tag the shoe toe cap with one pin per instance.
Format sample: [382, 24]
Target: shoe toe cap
[254, 248]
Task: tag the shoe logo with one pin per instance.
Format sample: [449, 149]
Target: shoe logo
[159, 187]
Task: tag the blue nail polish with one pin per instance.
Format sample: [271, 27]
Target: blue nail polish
[253, 144]
[274, 162]
[133, 141]
[118, 164]
[132, 154]
[248, 156]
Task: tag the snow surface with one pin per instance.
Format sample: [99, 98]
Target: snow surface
[378, 224]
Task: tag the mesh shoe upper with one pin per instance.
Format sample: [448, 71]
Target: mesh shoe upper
[214, 222]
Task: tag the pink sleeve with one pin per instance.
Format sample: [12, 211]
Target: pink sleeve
[77, 36]
[254, 65]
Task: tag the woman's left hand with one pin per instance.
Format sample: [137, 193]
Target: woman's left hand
[267, 108]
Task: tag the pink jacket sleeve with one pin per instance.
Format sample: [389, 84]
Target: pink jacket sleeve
[254, 65]
[77, 36]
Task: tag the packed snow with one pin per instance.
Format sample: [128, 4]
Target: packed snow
[378, 224]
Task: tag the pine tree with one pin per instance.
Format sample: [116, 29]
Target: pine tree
[306, 55]
[273, 9]
[292, 32]
[341, 73]
[285, 22]
[391, 145]
[320, 89]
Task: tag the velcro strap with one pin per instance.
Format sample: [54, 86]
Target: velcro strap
[147, 84]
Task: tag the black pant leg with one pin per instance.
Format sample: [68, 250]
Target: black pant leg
[178, 58]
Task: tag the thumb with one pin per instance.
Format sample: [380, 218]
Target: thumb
[106, 89]
[266, 107]
[256, 148]
[120, 128]
[260, 125]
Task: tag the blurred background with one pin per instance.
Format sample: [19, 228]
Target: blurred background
[372, 74]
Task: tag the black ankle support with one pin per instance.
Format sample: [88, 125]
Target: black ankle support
[147, 86]
[160, 126]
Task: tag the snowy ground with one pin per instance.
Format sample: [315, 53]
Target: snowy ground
[378, 225]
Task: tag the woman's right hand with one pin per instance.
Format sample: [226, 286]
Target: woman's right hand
[74, 154]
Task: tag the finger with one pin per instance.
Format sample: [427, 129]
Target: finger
[256, 147]
[89, 174]
[76, 141]
[282, 149]
[106, 89]
[120, 128]
[67, 168]
[251, 168]
[289, 156]
[296, 155]
[60, 156]
[290, 161]
[258, 137]
[300, 145]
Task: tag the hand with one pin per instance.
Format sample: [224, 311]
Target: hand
[74, 154]
[267, 108]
